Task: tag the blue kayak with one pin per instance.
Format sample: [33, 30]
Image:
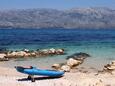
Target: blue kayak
[35, 71]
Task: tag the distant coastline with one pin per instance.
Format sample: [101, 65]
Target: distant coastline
[112, 28]
[82, 18]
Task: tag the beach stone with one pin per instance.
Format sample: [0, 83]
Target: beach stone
[72, 62]
[52, 50]
[4, 59]
[60, 51]
[56, 66]
[27, 55]
[111, 66]
[66, 68]
[45, 52]
[21, 53]
[33, 54]
[2, 55]
[13, 53]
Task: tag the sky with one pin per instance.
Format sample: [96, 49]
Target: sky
[55, 4]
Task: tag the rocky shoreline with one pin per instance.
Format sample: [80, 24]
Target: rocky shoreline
[74, 75]
[7, 55]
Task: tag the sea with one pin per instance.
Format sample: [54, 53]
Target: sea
[99, 43]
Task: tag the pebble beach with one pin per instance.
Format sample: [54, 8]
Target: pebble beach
[11, 77]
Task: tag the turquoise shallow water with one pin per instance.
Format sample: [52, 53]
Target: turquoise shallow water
[100, 55]
[100, 44]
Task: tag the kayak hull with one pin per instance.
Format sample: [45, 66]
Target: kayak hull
[35, 71]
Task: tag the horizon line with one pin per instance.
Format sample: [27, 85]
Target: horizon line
[6, 9]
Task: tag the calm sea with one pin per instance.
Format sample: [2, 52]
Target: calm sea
[100, 44]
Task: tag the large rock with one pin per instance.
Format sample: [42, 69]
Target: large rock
[110, 66]
[3, 57]
[44, 52]
[72, 62]
[52, 51]
[17, 54]
[21, 53]
[60, 51]
[56, 66]
[78, 56]
[33, 54]
[66, 68]
[11, 55]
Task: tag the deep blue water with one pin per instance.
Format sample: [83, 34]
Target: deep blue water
[100, 44]
[40, 37]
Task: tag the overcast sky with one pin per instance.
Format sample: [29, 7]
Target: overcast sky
[56, 4]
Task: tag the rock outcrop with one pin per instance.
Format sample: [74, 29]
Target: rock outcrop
[72, 62]
[34, 53]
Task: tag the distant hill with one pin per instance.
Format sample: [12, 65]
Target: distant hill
[51, 18]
